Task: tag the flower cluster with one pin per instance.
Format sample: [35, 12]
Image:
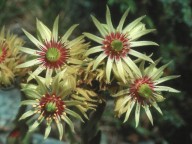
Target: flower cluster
[67, 78]
[10, 57]
[112, 65]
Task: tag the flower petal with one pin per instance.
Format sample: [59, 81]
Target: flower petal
[55, 29]
[29, 51]
[98, 60]
[140, 55]
[120, 93]
[120, 26]
[155, 105]
[133, 24]
[93, 50]
[130, 107]
[148, 112]
[109, 68]
[68, 33]
[74, 114]
[36, 73]
[68, 121]
[120, 69]
[94, 37]
[137, 114]
[33, 39]
[133, 66]
[60, 128]
[29, 102]
[140, 33]
[142, 43]
[161, 80]
[99, 26]
[48, 76]
[29, 63]
[166, 88]
[35, 125]
[27, 114]
[108, 19]
[47, 131]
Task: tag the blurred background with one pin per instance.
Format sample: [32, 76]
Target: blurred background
[173, 21]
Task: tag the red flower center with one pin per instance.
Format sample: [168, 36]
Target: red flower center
[54, 54]
[141, 89]
[51, 106]
[116, 45]
[3, 51]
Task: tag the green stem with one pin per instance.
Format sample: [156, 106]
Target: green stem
[90, 132]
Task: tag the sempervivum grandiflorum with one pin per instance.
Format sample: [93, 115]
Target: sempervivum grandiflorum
[54, 53]
[10, 57]
[116, 44]
[51, 104]
[143, 90]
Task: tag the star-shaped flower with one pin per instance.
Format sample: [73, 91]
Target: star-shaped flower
[143, 90]
[54, 53]
[116, 44]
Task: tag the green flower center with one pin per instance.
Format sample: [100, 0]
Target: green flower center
[117, 45]
[53, 54]
[51, 107]
[145, 91]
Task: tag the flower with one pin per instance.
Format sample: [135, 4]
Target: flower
[116, 44]
[10, 57]
[54, 53]
[143, 90]
[51, 104]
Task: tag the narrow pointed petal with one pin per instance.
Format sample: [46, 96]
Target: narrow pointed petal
[55, 29]
[29, 63]
[155, 105]
[44, 31]
[35, 125]
[69, 122]
[27, 114]
[161, 80]
[48, 76]
[142, 43]
[75, 41]
[130, 107]
[140, 33]
[93, 50]
[29, 51]
[109, 68]
[140, 55]
[166, 88]
[133, 66]
[47, 131]
[159, 72]
[74, 114]
[99, 26]
[120, 69]
[142, 67]
[120, 93]
[94, 38]
[68, 33]
[29, 92]
[35, 73]
[33, 39]
[109, 22]
[98, 60]
[137, 114]
[29, 102]
[158, 97]
[42, 89]
[148, 112]
[133, 24]
[60, 128]
[121, 23]
[126, 100]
